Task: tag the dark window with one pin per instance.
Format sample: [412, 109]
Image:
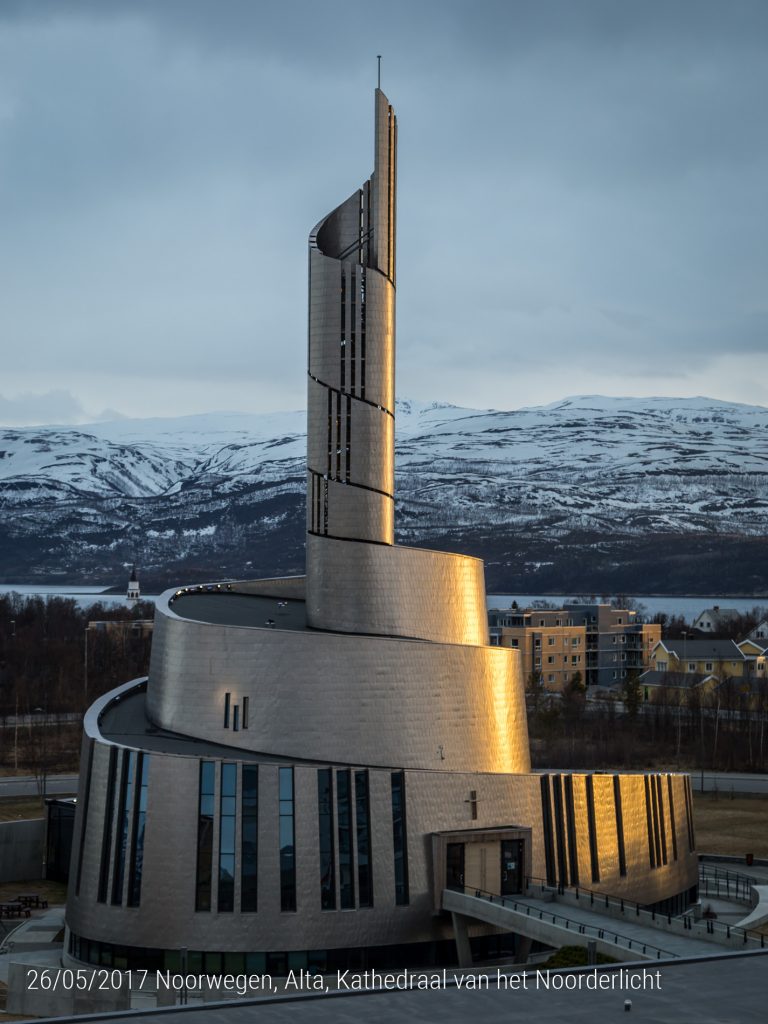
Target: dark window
[227, 703]
[245, 712]
[594, 849]
[84, 819]
[249, 843]
[363, 822]
[344, 815]
[570, 817]
[287, 840]
[123, 824]
[236, 718]
[227, 818]
[325, 822]
[619, 824]
[400, 838]
[672, 822]
[562, 863]
[106, 835]
[649, 823]
[139, 822]
[205, 835]
[546, 820]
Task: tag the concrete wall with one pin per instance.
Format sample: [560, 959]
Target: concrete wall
[22, 845]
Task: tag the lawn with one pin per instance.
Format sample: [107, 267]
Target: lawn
[12, 808]
[732, 826]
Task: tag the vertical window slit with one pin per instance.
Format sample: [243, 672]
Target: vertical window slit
[136, 870]
[672, 822]
[649, 823]
[227, 817]
[344, 828]
[363, 831]
[400, 838]
[325, 828]
[287, 840]
[338, 435]
[84, 819]
[106, 835]
[227, 703]
[619, 824]
[348, 459]
[249, 839]
[343, 344]
[246, 701]
[205, 813]
[123, 824]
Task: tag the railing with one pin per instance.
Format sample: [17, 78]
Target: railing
[733, 885]
[624, 906]
[561, 920]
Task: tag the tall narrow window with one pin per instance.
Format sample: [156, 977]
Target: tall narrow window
[227, 817]
[363, 822]
[245, 712]
[139, 821]
[287, 841]
[619, 824]
[594, 849]
[344, 813]
[400, 838]
[123, 824]
[84, 819]
[205, 835]
[325, 824]
[106, 835]
[250, 835]
[227, 705]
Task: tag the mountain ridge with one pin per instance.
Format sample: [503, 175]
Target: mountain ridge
[590, 492]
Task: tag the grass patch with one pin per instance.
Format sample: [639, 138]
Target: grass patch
[13, 808]
[731, 826]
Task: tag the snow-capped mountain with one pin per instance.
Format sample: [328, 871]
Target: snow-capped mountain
[588, 493]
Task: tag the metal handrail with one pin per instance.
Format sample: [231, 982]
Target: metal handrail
[620, 903]
[595, 931]
[729, 884]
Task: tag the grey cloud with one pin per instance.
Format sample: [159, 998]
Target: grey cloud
[568, 171]
[50, 407]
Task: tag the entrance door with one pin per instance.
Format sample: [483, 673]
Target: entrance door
[511, 866]
[454, 875]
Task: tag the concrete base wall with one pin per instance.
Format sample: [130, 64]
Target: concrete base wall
[22, 845]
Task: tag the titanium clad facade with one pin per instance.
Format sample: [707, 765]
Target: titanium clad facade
[274, 794]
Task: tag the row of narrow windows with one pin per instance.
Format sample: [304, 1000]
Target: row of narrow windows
[344, 830]
[232, 713]
[122, 841]
[352, 334]
[560, 825]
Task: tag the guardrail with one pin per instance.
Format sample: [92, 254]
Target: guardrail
[563, 921]
[726, 933]
[732, 885]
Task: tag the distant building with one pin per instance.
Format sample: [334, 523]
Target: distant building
[601, 642]
[133, 588]
[716, 619]
[760, 632]
[721, 658]
[674, 687]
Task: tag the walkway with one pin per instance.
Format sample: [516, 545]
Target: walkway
[555, 924]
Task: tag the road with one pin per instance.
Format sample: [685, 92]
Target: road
[28, 785]
[729, 782]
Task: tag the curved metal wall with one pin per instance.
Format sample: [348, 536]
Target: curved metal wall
[335, 697]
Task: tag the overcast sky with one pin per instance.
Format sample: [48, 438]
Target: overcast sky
[582, 197]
